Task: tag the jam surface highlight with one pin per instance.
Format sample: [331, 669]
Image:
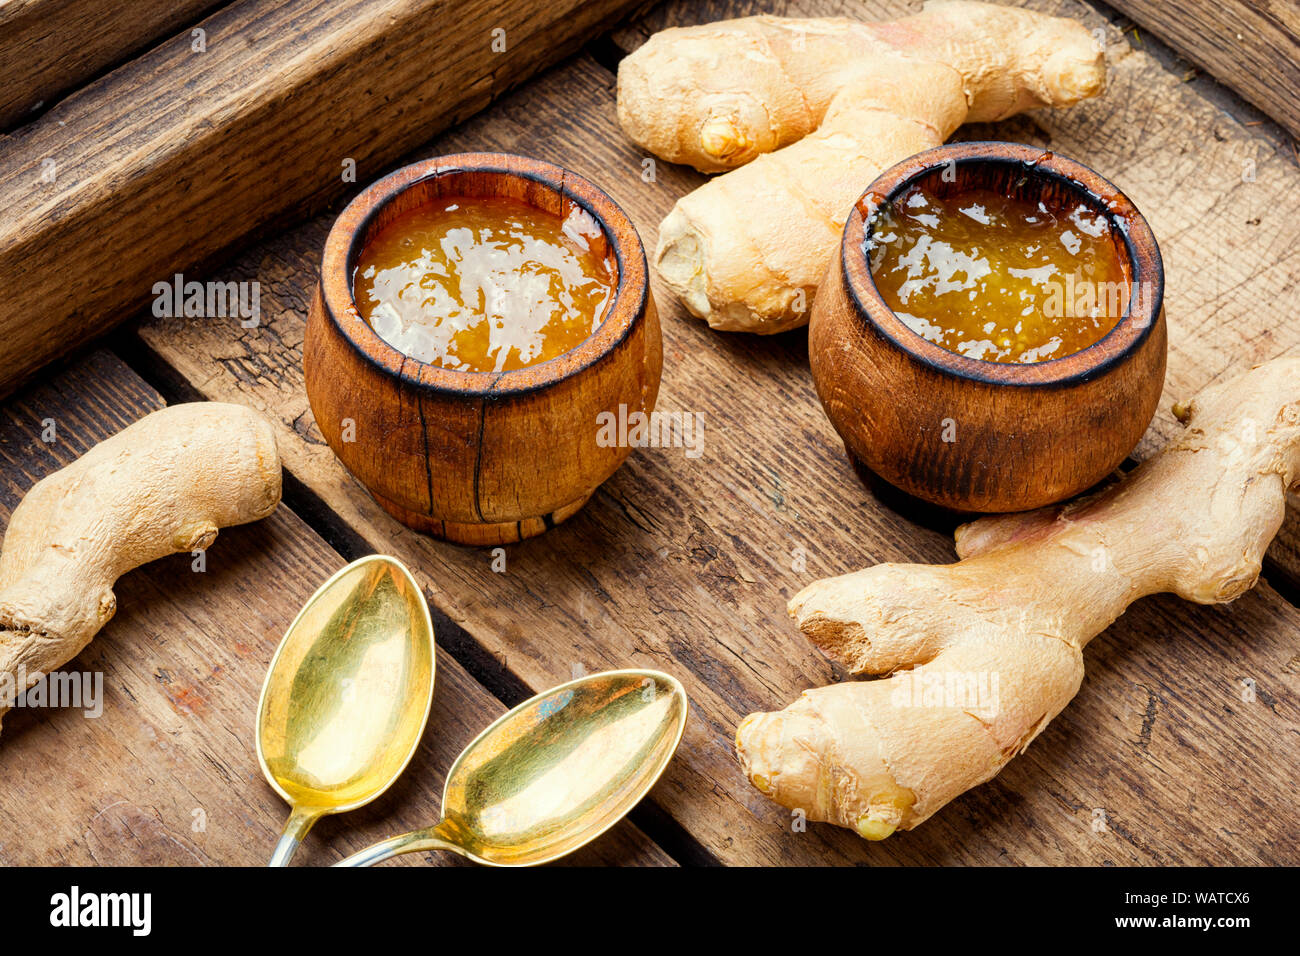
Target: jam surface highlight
[483, 284]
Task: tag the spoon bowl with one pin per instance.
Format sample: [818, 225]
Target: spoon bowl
[347, 695]
[554, 773]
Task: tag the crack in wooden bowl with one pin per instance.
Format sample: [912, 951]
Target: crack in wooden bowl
[479, 458]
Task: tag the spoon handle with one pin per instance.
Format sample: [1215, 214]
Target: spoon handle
[413, 842]
[295, 828]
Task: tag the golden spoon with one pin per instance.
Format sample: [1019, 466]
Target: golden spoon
[347, 695]
[554, 773]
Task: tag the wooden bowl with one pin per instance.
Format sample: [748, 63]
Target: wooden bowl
[478, 457]
[973, 435]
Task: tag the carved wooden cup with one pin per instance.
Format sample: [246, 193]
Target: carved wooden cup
[477, 457]
[973, 435]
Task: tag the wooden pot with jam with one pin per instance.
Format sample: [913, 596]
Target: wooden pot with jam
[991, 336]
[476, 314]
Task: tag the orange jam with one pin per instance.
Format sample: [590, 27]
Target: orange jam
[484, 285]
[997, 277]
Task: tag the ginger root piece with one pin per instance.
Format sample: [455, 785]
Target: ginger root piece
[163, 484]
[821, 107]
[981, 654]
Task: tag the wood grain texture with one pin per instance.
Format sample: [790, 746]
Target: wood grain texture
[1252, 46]
[171, 159]
[168, 773]
[1230, 292]
[686, 564]
[50, 47]
[471, 457]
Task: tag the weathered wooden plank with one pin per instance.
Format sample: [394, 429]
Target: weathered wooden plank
[50, 47]
[168, 773]
[1222, 198]
[686, 564]
[1252, 46]
[169, 160]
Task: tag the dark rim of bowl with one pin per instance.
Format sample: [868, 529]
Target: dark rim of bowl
[346, 237]
[1111, 349]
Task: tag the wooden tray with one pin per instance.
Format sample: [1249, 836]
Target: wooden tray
[686, 564]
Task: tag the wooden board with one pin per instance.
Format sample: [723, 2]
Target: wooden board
[686, 564]
[1231, 288]
[48, 47]
[1251, 45]
[169, 160]
[168, 773]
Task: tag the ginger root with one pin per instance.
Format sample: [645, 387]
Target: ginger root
[821, 107]
[163, 484]
[981, 654]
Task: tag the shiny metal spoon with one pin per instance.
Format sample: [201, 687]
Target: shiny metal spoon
[554, 773]
[347, 695]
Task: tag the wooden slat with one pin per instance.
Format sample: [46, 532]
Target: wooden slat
[168, 773]
[1223, 200]
[686, 564]
[170, 159]
[1252, 46]
[50, 47]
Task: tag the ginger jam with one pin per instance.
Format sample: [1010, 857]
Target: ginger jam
[483, 284]
[996, 277]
